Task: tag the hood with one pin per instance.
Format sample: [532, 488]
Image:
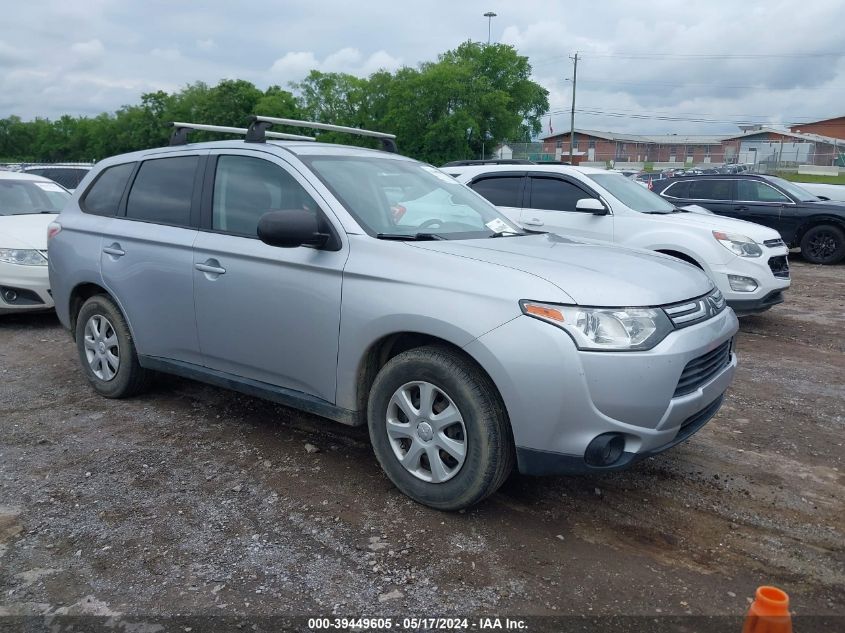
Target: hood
[592, 274]
[713, 222]
[837, 207]
[25, 231]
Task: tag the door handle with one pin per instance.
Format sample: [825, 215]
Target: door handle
[211, 267]
[114, 250]
[741, 207]
[534, 222]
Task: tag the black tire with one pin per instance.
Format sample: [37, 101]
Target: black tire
[489, 451]
[130, 378]
[823, 244]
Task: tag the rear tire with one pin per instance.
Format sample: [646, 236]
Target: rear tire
[823, 244]
[107, 351]
[455, 440]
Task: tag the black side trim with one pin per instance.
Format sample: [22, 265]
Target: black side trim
[287, 397]
[756, 306]
[533, 461]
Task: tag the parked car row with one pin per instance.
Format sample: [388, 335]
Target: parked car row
[800, 218]
[368, 288]
[746, 261]
[372, 289]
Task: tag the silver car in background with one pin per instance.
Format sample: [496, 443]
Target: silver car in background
[283, 269]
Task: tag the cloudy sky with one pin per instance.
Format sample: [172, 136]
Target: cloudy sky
[660, 66]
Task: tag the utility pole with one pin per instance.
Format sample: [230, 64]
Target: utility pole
[489, 15]
[572, 116]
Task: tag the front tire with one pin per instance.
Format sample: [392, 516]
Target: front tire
[439, 429]
[107, 351]
[823, 244]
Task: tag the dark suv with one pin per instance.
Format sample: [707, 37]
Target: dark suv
[802, 219]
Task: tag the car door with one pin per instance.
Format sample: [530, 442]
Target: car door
[506, 190]
[265, 313]
[715, 194]
[147, 258]
[551, 207]
[760, 202]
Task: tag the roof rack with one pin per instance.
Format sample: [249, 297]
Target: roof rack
[490, 161]
[179, 136]
[259, 125]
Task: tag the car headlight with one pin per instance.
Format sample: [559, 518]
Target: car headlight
[738, 244]
[608, 329]
[25, 257]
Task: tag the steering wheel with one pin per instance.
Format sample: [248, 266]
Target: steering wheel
[431, 223]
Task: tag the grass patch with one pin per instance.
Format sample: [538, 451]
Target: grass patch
[813, 178]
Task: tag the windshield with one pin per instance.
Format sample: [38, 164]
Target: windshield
[799, 193]
[631, 194]
[22, 197]
[400, 197]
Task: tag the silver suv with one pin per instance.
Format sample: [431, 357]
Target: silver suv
[370, 288]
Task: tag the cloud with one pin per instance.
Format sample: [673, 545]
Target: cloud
[295, 66]
[91, 48]
[636, 65]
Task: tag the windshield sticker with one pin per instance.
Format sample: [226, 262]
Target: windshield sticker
[49, 186]
[439, 174]
[499, 226]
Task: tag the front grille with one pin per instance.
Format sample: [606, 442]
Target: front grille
[696, 310]
[774, 243]
[779, 266]
[700, 370]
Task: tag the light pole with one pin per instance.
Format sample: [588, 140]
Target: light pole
[489, 15]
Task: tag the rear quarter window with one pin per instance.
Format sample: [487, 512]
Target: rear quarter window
[104, 195]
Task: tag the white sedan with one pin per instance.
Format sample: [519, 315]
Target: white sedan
[27, 205]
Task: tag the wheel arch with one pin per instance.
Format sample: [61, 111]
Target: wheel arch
[816, 220]
[380, 351]
[84, 291]
[680, 255]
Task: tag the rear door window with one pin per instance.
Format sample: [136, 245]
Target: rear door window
[710, 190]
[553, 194]
[163, 191]
[503, 191]
[103, 197]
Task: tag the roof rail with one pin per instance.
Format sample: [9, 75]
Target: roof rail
[259, 125]
[179, 136]
[490, 161]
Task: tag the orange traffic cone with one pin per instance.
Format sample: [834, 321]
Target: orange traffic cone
[769, 613]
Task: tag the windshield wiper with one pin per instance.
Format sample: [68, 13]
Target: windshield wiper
[410, 237]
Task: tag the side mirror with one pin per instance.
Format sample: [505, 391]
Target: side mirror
[823, 198]
[591, 205]
[291, 228]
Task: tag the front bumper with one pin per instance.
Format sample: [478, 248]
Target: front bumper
[769, 290]
[34, 281]
[559, 398]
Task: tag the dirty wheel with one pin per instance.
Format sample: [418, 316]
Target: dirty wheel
[439, 429]
[107, 351]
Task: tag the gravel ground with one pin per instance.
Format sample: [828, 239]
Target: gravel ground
[191, 499]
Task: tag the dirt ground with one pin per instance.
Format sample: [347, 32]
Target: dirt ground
[195, 500]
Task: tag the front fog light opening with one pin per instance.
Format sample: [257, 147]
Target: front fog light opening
[742, 284]
[605, 449]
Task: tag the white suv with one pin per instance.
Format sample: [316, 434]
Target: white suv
[747, 262]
